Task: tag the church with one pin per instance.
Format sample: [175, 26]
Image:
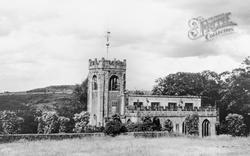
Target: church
[107, 95]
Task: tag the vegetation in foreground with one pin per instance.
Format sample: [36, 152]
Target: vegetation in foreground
[126, 145]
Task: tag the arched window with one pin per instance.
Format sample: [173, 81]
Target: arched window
[94, 82]
[114, 83]
[124, 81]
[184, 130]
[206, 128]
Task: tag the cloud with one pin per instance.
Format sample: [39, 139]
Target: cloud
[46, 42]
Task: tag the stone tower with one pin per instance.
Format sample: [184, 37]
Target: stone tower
[106, 87]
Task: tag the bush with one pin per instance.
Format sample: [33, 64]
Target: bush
[81, 121]
[192, 124]
[48, 122]
[114, 126]
[222, 128]
[146, 125]
[235, 125]
[168, 125]
[123, 129]
[133, 127]
[10, 123]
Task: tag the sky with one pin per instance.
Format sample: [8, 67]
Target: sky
[49, 42]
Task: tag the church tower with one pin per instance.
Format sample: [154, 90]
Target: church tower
[106, 87]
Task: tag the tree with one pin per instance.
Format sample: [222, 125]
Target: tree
[81, 121]
[114, 126]
[235, 92]
[192, 124]
[139, 92]
[235, 125]
[48, 122]
[10, 123]
[78, 101]
[205, 84]
[77, 104]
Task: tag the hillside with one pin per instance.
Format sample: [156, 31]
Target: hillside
[59, 88]
[48, 98]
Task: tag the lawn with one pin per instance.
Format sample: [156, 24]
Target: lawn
[129, 146]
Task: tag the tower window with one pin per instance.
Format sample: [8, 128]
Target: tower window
[113, 83]
[94, 82]
[124, 81]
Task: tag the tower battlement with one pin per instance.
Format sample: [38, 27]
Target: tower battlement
[109, 64]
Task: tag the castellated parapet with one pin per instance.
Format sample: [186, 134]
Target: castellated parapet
[107, 64]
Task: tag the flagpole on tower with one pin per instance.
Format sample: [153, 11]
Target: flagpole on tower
[107, 43]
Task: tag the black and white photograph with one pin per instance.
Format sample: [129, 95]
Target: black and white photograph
[124, 78]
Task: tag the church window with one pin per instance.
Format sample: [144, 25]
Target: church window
[114, 83]
[94, 82]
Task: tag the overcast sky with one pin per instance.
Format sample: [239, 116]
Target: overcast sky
[49, 42]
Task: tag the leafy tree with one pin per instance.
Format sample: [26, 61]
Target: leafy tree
[81, 121]
[236, 92]
[235, 125]
[192, 124]
[205, 84]
[48, 122]
[10, 123]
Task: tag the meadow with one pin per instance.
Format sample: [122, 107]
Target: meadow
[130, 146]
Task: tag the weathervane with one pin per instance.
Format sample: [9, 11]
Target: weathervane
[108, 44]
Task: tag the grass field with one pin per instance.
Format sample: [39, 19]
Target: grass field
[130, 146]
